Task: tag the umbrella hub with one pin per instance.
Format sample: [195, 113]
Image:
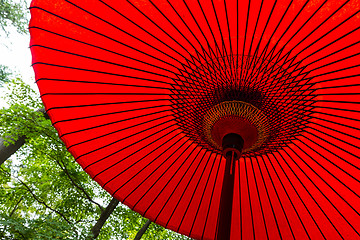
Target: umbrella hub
[235, 123]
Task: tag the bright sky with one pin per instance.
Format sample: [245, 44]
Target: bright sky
[15, 53]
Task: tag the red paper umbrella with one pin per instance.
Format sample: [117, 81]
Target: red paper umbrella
[215, 119]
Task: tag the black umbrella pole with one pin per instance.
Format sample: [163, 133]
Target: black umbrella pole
[232, 147]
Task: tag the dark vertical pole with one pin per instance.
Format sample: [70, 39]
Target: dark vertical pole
[142, 230]
[226, 200]
[232, 147]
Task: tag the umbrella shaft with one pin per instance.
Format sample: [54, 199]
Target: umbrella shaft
[226, 200]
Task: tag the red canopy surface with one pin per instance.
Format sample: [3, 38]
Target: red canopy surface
[127, 85]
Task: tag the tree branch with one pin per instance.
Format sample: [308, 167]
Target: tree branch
[95, 230]
[16, 205]
[44, 203]
[142, 230]
[7, 151]
[63, 167]
[11, 213]
[39, 200]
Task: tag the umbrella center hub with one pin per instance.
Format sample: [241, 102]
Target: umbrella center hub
[239, 118]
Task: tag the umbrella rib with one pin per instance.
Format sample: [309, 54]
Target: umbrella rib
[258, 196]
[308, 190]
[219, 157]
[336, 101]
[165, 31]
[337, 167]
[295, 190]
[113, 132]
[261, 37]
[285, 62]
[253, 36]
[122, 54]
[230, 44]
[121, 139]
[196, 187]
[129, 136]
[337, 156]
[244, 46]
[203, 193]
[139, 160]
[119, 121]
[322, 191]
[108, 103]
[333, 143]
[154, 24]
[197, 24]
[270, 202]
[333, 62]
[270, 54]
[196, 38]
[95, 71]
[109, 62]
[244, 42]
[113, 52]
[107, 156]
[338, 25]
[186, 39]
[107, 83]
[263, 52]
[237, 43]
[339, 109]
[321, 24]
[331, 54]
[209, 27]
[337, 123]
[174, 188]
[339, 86]
[156, 197]
[205, 81]
[142, 169]
[287, 195]
[329, 44]
[302, 26]
[182, 34]
[357, 195]
[152, 172]
[110, 113]
[112, 39]
[224, 52]
[338, 78]
[188, 183]
[212, 34]
[277, 196]
[118, 28]
[335, 130]
[109, 37]
[249, 196]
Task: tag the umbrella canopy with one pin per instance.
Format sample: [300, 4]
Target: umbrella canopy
[143, 93]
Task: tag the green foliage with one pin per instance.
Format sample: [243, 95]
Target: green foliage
[44, 193]
[5, 74]
[13, 14]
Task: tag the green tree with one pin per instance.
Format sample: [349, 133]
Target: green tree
[13, 14]
[5, 74]
[44, 193]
